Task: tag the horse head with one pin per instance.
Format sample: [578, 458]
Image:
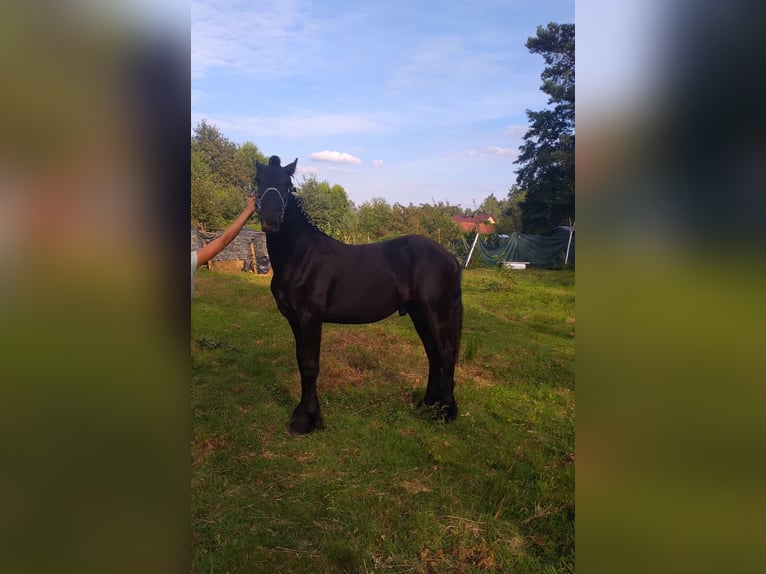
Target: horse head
[274, 184]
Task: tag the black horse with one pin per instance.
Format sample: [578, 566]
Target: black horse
[318, 279]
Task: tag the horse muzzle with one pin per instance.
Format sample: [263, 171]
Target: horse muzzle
[269, 226]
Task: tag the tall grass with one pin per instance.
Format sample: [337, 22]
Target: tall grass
[385, 488]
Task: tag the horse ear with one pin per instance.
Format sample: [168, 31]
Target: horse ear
[258, 166]
[290, 167]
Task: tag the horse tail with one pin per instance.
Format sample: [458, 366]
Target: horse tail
[456, 314]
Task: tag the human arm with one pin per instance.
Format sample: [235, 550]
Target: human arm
[207, 252]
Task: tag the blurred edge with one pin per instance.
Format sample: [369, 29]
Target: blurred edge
[94, 203]
[94, 320]
[671, 175]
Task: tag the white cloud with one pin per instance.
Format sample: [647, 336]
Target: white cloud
[244, 36]
[506, 152]
[377, 163]
[335, 157]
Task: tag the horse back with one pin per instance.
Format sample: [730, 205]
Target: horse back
[423, 263]
[367, 283]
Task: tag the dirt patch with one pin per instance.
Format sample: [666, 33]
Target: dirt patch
[350, 354]
[227, 266]
[460, 558]
[204, 448]
[414, 486]
[475, 373]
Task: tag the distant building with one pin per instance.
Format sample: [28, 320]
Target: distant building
[481, 222]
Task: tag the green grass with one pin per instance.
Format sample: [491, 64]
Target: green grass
[385, 488]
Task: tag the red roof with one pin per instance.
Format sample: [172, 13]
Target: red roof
[482, 223]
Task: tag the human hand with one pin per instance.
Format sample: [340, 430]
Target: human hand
[249, 205]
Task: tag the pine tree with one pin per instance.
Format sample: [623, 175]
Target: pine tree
[547, 172]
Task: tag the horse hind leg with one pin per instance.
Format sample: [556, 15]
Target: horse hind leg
[447, 356]
[427, 336]
[441, 339]
[447, 395]
[450, 329]
[447, 323]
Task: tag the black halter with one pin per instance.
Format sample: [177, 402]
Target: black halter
[279, 195]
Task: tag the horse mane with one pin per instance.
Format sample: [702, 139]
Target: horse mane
[306, 216]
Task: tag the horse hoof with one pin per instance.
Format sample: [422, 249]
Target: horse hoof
[451, 413]
[300, 426]
[447, 413]
[426, 402]
[304, 424]
[438, 411]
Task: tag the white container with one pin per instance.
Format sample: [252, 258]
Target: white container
[516, 264]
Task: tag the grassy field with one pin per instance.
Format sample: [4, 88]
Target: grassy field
[385, 488]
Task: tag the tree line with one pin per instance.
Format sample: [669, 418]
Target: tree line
[223, 172]
[542, 197]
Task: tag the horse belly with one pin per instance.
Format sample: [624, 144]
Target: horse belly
[362, 301]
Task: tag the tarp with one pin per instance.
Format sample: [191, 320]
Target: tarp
[546, 251]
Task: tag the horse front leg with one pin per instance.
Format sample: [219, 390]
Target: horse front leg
[307, 415]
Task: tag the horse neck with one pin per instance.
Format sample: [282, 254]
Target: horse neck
[289, 243]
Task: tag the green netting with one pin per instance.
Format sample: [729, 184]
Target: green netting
[547, 251]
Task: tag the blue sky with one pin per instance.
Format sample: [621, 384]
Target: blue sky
[415, 102]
